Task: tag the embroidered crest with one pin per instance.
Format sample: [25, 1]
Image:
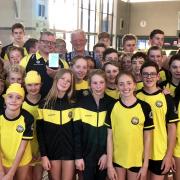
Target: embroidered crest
[135, 120]
[159, 103]
[37, 62]
[85, 92]
[20, 129]
[70, 114]
[150, 115]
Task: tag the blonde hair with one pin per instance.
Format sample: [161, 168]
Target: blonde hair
[53, 93]
[16, 68]
[14, 48]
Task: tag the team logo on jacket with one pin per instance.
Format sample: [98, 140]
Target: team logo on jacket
[32, 127]
[159, 103]
[37, 62]
[135, 120]
[85, 92]
[70, 114]
[150, 115]
[20, 129]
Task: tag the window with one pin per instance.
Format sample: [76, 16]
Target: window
[92, 16]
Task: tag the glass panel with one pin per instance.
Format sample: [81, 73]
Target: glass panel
[92, 4]
[39, 10]
[92, 21]
[43, 11]
[105, 2]
[110, 23]
[110, 7]
[85, 4]
[67, 21]
[91, 42]
[104, 23]
[68, 42]
[85, 20]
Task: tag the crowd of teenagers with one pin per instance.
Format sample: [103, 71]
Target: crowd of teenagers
[100, 115]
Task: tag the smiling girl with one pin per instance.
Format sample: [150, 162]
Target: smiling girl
[15, 132]
[128, 121]
[55, 127]
[31, 102]
[90, 131]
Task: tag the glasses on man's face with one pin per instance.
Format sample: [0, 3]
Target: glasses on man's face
[48, 42]
[150, 75]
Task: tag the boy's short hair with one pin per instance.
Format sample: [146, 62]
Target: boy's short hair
[139, 55]
[109, 51]
[149, 63]
[154, 48]
[99, 45]
[31, 42]
[103, 35]
[128, 37]
[154, 32]
[17, 26]
[113, 63]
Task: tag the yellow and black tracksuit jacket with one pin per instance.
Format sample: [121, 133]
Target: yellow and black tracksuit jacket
[90, 133]
[55, 130]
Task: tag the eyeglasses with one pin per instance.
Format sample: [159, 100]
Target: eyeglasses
[48, 42]
[151, 75]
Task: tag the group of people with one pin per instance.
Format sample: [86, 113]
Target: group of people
[100, 115]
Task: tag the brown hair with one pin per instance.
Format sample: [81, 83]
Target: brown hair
[127, 74]
[103, 35]
[99, 72]
[17, 26]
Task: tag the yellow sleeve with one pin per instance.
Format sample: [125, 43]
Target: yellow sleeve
[25, 61]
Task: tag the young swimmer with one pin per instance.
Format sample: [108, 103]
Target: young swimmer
[128, 121]
[80, 67]
[125, 61]
[137, 61]
[15, 74]
[155, 54]
[15, 133]
[177, 147]
[90, 132]
[164, 117]
[55, 127]
[2, 89]
[174, 79]
[30, 104]
[111, 70]
[15, 54]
